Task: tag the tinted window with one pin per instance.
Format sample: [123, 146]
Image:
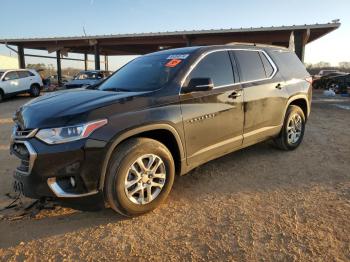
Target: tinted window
[216, 66]
[11, 76]
[267, 65]
[146, 73]
[250, 64]
[89, 75]
[290, 65]
[23, 74]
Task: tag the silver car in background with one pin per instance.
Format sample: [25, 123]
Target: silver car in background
[87, 78]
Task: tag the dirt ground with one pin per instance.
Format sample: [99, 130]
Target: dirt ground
[257, 204]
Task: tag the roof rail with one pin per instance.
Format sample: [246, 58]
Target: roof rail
[255, 44]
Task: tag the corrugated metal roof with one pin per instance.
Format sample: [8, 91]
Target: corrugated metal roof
[330, 26]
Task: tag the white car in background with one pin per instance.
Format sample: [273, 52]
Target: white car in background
[19, 81]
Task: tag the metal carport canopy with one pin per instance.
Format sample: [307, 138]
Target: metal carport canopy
[135, 44]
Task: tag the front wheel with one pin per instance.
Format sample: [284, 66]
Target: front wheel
[34, 91]
[293, 129]
[139, 177]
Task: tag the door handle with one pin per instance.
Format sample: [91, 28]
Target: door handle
[279, 86]
[235, 94]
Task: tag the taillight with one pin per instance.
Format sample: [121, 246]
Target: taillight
[309, 79]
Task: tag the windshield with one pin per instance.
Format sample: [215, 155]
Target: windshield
[89, 75]
[146, 73]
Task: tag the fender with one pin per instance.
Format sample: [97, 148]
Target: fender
[299, 96]
[134, 132]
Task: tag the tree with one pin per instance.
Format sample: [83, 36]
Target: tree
[322, 64]
[345, 65]
[37, 66]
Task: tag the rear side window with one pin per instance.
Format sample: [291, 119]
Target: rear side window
[250, 64]
[216, 66]
[23, 74]
[267, 65]
[290, 65]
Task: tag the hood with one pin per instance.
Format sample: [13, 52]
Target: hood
[67, 107]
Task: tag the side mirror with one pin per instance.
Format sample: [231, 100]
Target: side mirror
[199, 84]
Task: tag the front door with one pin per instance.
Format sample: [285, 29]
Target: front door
[213, 120]
[11, 83]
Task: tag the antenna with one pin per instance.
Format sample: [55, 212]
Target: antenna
[84, 31]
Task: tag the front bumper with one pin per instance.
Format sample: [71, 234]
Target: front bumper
[49, 170]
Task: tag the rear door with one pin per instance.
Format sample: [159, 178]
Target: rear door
[11, 83]
[264, 99]
[25, 80]
[213, 120]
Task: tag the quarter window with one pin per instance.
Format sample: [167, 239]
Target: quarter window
[290, 65]
[251, 65]
[216, 66]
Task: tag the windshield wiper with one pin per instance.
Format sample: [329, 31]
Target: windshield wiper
[117, 89]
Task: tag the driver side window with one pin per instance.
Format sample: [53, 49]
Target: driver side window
[11, 76]
[217, 66]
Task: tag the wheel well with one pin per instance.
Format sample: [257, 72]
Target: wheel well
[168, 139]
[302, 104]
[35, 84]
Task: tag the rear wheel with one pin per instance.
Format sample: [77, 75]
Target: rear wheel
[34, 90]
[292, 132]
[140, 176]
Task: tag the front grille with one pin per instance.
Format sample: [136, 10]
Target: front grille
[24, 166]
[26, 154]
[19, 133]
[21, 151]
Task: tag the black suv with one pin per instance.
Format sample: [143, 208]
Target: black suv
[122, 142]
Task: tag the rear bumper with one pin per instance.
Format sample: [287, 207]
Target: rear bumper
[68, 172]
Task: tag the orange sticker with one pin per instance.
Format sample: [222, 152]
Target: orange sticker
[173, 62]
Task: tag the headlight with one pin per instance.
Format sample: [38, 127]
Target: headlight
[69, 133]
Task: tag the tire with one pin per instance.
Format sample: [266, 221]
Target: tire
[291, 134]
[1, 96]
[34, 91]
[119, 173]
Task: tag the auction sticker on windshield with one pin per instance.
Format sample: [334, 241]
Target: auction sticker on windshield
[173, 63]
[178, 56]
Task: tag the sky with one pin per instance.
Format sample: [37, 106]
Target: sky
[50, 18]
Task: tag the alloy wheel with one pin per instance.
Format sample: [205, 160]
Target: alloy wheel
[294, 129]
[145, 179]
